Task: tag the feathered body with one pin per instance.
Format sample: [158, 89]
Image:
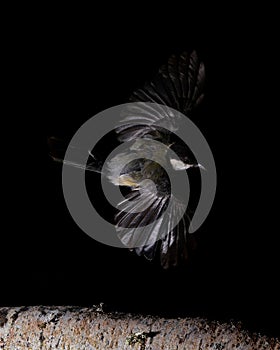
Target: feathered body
[179, 85]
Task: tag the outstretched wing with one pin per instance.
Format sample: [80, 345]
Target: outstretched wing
[148, 222]
[179, 84]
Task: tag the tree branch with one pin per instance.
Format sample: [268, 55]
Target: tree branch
[68, 327]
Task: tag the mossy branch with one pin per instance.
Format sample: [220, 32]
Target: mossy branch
[68, 327]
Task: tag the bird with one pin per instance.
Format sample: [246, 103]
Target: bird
[140, 222]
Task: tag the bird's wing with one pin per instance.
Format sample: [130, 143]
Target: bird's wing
[148, 222]
[179, 84]
[177, 244]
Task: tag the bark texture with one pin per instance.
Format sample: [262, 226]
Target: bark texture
[67, 327]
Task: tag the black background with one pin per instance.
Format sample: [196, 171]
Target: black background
[67, 70]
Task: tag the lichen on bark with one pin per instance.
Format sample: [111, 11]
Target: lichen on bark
[68, 327]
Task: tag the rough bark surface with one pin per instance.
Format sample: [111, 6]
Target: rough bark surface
[67, 327]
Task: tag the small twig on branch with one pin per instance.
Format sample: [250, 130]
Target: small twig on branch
[68, 327]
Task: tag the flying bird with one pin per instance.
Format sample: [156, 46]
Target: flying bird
[152, 220]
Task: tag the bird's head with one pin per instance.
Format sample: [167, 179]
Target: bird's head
[180, 165]
[184, 162]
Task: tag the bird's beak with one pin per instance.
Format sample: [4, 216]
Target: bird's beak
[201, 167]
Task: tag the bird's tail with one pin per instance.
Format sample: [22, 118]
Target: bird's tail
[57, 150]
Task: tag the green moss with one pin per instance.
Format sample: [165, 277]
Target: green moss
[137, 338]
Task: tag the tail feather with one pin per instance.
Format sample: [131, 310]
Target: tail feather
[57, 151]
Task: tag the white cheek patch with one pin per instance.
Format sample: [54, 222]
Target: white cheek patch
[179, 165]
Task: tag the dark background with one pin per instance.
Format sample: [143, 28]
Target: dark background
[67, 72]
